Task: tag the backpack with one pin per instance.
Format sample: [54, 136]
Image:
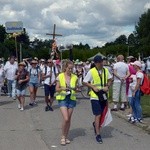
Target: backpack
[145, 87]
[36, 70]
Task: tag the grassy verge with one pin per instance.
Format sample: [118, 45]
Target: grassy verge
[145, 102]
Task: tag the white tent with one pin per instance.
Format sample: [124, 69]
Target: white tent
[98, 54]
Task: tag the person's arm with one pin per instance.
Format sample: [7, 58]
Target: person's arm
[58, 88]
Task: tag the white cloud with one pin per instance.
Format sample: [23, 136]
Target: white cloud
[88, 21]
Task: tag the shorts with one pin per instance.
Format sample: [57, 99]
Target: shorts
[49, 90]
[98, 107]
[67, 102]
[35, 85]
[21, 92]
[119, 91]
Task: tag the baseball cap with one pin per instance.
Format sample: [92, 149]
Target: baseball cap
[137, 63]
[98, 59]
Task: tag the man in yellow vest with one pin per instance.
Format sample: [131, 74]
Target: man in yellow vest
[98, 79]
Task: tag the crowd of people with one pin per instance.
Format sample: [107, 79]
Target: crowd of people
[60, 82]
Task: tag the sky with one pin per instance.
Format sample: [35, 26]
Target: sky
[94, 22]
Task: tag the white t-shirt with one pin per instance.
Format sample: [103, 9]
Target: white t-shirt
[1, 75]
[53, 78]
[148, 64]
[140, 75]
[10, 70]
[121, 69]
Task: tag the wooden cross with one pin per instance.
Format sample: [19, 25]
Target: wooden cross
[54, 34]
[54, 54]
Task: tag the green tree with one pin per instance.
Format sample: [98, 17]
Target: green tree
[2, 33]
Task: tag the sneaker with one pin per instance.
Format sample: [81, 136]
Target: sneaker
[50, 108]
[99, 139]
[31, 104]
[133, 120]
[123, 109]
[34, 103]
[19, 106]
[46, 108]
[140, 120]
[94, 128]
[114, 109]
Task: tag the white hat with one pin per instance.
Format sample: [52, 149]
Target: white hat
[137, 63]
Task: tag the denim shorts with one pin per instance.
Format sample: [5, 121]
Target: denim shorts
[98, 107]
[67, 102]
[21, 92]
[35, 85]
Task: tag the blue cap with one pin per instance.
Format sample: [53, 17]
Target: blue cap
[98, 59]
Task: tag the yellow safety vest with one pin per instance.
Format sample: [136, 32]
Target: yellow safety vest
[61, 95]
[98, 81]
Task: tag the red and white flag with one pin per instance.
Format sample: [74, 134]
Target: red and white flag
[106, 117]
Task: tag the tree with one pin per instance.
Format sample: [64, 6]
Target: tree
[2, 33]
[122, 39]
[143, 28]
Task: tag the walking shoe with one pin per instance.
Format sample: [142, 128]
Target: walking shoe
[114, 109]
[99, 139]
[123, 109]
[140, 120]
[31, 104]
[50, 108]
[94, 128]
[47, 108]
[19, 106]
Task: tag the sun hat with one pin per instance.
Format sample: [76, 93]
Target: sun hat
[137, 63]
[22, 64]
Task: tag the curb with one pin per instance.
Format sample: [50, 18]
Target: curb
[145, 126]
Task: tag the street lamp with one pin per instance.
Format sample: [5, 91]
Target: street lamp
[15, 36]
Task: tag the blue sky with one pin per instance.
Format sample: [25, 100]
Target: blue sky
[88, 21]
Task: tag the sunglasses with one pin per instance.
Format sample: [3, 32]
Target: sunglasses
[49, 62]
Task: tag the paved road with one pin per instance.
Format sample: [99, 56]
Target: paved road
[35, 129]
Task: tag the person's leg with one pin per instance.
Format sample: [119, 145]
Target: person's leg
[52, 92]
[31, 91]
[123, 96]
[138, 105]
[9, 83]
[35, 92]
[116, 93]
[19, 98]
[70, 111]
[14, 89]
[65, 122]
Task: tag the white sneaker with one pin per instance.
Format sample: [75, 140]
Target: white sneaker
[19, 106]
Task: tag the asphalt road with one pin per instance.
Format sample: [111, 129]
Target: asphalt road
[35, 129]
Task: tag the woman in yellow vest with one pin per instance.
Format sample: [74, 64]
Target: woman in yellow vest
[98, 79]
[65, 94]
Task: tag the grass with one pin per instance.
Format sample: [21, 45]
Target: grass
[145, 102]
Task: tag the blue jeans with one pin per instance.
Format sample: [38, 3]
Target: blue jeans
[11, 85]
[136, 105]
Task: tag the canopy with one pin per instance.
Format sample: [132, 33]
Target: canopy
[99, 54]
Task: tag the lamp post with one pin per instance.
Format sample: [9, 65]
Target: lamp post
[16, 47]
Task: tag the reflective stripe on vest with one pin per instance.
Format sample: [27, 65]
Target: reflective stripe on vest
[99, 83]
[61, 95]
